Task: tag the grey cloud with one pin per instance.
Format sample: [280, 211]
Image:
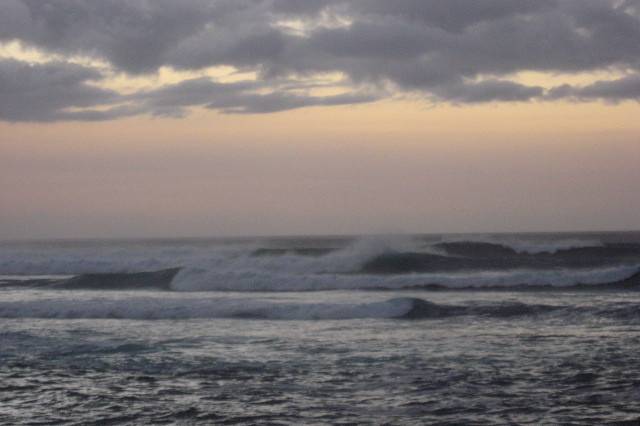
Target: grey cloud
[623, 89]
[45, 92]
[63, 91]
[301, 7]
[242, 48]
[488, 91]
[569, 37]
[235, 98]
[447, 50]
[276, 102]
[133, 35]
[452, 15]
[473, 37]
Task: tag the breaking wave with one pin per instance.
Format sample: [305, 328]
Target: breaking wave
[189, 280]
[367, 263]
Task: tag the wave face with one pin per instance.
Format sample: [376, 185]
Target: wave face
[140, 308]
[160, 280]
[308, 264]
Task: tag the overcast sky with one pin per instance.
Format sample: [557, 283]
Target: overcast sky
[131, 118]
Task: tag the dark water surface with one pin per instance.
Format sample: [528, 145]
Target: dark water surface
[285, 334]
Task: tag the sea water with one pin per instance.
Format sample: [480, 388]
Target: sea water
[457, 329]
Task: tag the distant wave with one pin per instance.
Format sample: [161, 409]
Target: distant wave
[523, 244]
[160, 280]
[367, 263]
[465, 256]
[298, 251]
[622, 278]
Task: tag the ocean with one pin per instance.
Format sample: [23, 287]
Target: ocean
[411, 329]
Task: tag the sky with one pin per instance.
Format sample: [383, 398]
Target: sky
[198, 118]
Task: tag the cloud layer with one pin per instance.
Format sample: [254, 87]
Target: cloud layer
[456, 51]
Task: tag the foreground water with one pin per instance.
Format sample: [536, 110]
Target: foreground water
[415, 353]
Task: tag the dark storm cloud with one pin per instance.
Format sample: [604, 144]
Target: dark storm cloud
[459, 51]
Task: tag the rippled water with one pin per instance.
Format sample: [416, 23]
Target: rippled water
[471, 330]
[575, 362]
